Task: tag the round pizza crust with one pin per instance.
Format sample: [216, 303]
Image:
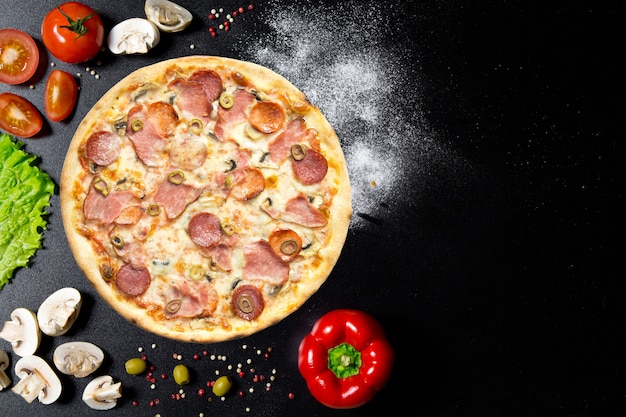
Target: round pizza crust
[224, 324]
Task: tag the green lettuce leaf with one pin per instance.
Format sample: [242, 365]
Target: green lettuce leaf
[24, 194]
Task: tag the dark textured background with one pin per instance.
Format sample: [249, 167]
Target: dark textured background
[495, 261]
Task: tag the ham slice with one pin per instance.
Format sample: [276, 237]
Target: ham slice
[263, 264]
[191, 97]
[191, 299]
[296, 132]
[107, 208]
[298, 210]
[174, 198]
[221, 256]
[146, 137]
[227, 118]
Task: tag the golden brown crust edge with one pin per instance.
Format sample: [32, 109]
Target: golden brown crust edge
[341, 209]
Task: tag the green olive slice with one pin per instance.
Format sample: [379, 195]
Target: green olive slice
[226, 100]
[117, 241]
[196, 126]
[136, 125]
[153, 209]
[100, 185]
[176, 177]
[173, 306]
[298, 151]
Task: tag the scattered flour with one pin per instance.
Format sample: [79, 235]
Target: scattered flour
[348, 63]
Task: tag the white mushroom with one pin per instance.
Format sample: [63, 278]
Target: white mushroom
[133, 36]
[38, 380]
[77, 358]
[58, 312]
[102, 393]
[5, 381]
[22, 332]
[167, 16]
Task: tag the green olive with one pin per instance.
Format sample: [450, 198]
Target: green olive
[222, 385]
[226, 100]
[135, 366]
[181, 374]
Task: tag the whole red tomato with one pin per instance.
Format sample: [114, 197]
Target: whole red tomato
[73, 32]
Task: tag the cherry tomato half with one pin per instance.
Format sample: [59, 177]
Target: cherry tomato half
[60, 95]
[19, 56]
[18, 116]
[73, 32]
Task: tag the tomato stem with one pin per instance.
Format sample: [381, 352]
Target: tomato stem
[77, 26]
[344, 360]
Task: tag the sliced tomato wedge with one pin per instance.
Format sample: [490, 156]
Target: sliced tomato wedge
[60, 96]
[18, 116]
[19, 56]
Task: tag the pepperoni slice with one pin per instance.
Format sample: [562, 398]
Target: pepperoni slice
[163, 117]
[267, 116]
[210, 81]
[205, 229]
[247, 301]
[311, 169]
[131, 281]
[251, 184]
[285, 243]
[103, 147]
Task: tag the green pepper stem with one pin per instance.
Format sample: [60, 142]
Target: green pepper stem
[344, 360]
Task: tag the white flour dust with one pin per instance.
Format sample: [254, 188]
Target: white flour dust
[337, 57]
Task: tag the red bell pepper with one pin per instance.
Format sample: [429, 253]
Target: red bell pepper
[345, 359]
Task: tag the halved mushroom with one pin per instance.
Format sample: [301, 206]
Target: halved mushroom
[22, 332]
[102, 393]
[133, 36]
[77, 358]
[5, 381]
[58, 312]
[167, 16]
[38, 380]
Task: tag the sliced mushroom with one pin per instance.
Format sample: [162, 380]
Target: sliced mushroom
[102, 393]
[58, 312]
[133, 36]
[77, 358]
[22, 332]
[38, 380]
[5, 381]
[167, 16]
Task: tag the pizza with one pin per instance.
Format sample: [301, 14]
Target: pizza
[205, 198]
